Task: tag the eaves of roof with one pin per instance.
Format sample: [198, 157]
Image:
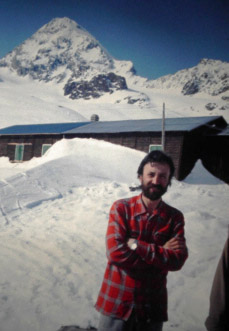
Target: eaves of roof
[147, 125]
[225, 132]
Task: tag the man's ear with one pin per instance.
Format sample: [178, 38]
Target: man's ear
[140, 178]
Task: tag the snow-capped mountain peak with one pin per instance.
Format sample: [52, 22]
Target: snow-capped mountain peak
[60, 24]
[61, 51]
[74, 63]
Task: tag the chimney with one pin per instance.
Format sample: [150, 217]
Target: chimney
[94, 118]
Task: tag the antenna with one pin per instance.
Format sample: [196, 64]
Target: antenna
[163, 128]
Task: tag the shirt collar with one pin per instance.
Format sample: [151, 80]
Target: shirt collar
[140, 208]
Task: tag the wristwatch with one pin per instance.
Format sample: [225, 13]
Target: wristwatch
[134, 245]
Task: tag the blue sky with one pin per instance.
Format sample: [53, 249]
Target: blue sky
[159, 36]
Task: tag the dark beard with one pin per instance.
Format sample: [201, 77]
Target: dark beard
[155, 195]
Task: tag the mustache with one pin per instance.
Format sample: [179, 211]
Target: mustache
[155, 186]
[158, 186]
[139, 187]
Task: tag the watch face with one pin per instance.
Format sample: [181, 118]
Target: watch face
[134, 246]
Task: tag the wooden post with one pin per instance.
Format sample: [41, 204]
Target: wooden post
[163, 128]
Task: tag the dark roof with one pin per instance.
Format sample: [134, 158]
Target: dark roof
[51, 128]
[146, 125]
[225, 132]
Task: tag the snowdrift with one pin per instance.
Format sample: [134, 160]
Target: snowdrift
[53, 220]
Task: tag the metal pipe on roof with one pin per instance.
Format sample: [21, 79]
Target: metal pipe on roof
[163, 128]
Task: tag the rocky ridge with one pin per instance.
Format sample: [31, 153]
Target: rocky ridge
[65, 53]
[209, 76]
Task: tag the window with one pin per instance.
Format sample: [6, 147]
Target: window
[155, 148]
[45, 147]
[19, 152]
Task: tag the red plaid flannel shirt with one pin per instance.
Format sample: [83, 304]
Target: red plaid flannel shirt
[136, 279]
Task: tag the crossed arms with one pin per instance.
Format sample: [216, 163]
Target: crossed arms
[168, 257]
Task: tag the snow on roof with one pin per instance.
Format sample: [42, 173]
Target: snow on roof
[146, 125]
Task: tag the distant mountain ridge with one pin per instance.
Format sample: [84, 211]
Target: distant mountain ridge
[65, 53]
[209, 76]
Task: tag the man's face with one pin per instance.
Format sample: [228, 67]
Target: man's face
[155, 180]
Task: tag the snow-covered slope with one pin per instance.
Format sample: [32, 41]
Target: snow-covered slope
[62, 73]
[53, 219]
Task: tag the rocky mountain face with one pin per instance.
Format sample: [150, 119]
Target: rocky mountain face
[93, 88]
[209, 76]
[65, 53]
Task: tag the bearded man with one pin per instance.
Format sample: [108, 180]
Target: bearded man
[144, 240]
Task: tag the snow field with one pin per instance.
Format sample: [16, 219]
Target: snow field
[53, 219]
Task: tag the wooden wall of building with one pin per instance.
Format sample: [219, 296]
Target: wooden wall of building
[176, 145]
[32, 145]
[142, 140]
